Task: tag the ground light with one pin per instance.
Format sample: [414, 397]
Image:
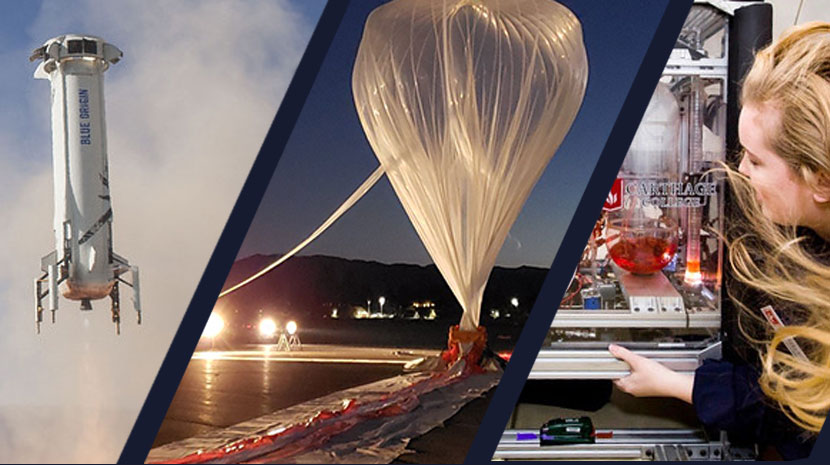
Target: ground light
[289, 340]
[267, 328]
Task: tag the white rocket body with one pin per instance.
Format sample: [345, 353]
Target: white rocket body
[83, 263]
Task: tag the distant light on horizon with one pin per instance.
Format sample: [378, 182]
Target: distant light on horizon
[291, 327]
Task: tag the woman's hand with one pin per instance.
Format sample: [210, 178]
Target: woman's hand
[651, 379]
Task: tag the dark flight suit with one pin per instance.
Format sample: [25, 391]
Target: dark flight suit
[727, 395]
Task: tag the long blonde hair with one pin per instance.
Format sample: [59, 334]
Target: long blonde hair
[793, 75]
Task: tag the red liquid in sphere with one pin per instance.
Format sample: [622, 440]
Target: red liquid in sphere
[644, 254]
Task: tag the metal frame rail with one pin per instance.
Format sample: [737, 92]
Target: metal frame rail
[574, 363]
[625, 444]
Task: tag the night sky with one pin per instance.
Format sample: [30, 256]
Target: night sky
[328, 156]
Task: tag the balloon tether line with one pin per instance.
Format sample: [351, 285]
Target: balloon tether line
[356, 195]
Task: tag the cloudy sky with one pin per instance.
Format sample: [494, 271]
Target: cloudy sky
[187, 110]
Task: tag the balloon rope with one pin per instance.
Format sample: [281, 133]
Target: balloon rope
[356, 195]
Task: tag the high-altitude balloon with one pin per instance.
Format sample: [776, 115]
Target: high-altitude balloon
[464, 103]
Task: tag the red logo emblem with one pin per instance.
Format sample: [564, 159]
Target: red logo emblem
[614, 201]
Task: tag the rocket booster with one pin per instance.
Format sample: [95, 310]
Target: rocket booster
[83, 265]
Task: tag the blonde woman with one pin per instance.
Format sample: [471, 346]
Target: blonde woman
[780, 397]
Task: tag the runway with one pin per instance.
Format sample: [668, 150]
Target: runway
[319, 354]
[225, 387]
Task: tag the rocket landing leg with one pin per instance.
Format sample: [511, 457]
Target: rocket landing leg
[46, 287]
[123, 267]
[116, 308]
[39, 309]
[54, 274]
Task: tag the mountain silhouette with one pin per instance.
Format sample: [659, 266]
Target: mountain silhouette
[307, 288]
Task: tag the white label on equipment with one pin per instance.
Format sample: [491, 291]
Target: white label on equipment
[772, 317]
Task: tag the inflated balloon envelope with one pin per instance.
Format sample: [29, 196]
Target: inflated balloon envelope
[464, 103]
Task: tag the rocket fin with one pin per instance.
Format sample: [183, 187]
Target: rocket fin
[50, 259]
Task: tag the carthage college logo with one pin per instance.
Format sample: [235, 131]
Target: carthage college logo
[614, 201]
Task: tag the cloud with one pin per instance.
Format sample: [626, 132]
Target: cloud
[187, 110]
